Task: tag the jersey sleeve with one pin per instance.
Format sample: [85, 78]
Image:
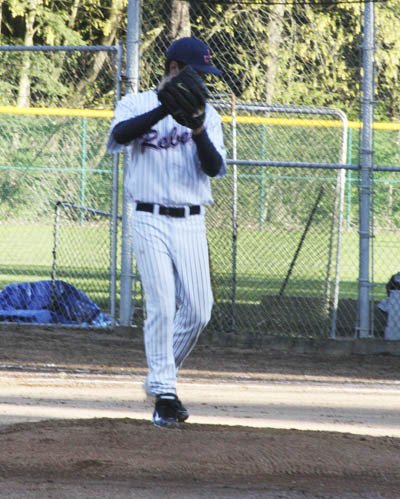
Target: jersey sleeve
[124, 110]
[215, 133]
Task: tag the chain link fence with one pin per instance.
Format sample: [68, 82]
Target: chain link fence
[283, 240]
[284, 237]
[52, 150]
[284, 228]
[63, 77]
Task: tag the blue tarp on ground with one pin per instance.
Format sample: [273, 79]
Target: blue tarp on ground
[49, 302]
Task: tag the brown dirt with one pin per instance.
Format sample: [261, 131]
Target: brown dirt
[121, 457]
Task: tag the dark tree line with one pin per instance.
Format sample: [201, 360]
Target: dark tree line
[293, 52]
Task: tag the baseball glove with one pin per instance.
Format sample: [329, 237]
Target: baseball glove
[184, 96]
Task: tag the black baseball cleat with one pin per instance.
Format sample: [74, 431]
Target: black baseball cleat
[165, 413]
[182, 412]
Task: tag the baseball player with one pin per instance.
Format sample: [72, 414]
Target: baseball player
[174, 142]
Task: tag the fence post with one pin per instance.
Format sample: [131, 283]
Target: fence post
[234, 216]
[114, 204]
[339, 210]
[364, 328]
[132, 79]
[263, 176]
[82, 200]
[349, 179]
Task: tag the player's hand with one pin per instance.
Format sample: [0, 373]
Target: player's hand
[184, 96]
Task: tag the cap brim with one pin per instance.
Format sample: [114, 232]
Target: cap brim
[207, 69]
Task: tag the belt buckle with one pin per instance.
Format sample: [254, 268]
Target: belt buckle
[170, 211]
[166, 211]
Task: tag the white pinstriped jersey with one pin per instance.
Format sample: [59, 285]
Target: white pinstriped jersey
[163, 165]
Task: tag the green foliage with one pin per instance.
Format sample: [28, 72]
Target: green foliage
[286, 52]
[57, 78]
[387, 60]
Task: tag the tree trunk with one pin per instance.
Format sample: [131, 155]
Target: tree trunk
[180, 19]
[1, 14]
[24, 88]
[100, 58]
[62, 56]
[275, 28]
[74, 13]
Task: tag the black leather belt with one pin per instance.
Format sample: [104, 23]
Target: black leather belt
[171, 211]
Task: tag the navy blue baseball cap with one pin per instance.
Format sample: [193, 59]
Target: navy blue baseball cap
[191, 51]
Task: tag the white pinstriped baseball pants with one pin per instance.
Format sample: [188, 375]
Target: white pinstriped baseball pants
[172, 260]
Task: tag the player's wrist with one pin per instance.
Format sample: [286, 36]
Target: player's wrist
[198, 131]
[161, 111]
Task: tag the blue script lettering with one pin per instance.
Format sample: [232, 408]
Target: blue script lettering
[151, 139]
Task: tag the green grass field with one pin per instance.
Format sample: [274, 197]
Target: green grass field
[262, 261]
[264, 258]
[82, 257]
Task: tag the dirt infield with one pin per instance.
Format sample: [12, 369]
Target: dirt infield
[74, 422]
